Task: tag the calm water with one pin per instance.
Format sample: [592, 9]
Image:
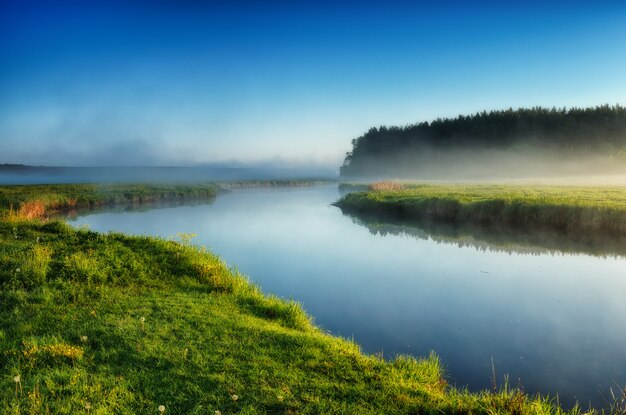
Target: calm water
[553, 322]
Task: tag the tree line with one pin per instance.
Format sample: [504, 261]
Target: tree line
[574, 131]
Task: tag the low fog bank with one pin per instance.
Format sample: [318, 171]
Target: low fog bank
[510, 166]
[12, 174]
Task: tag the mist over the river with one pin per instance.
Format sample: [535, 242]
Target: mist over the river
[47, 175]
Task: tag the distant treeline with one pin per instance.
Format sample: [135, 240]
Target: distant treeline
[9, 166]
[574, 131]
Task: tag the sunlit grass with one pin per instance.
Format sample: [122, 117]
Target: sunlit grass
[592, 208]
[125, 324]
[38, 201]
[110, 323]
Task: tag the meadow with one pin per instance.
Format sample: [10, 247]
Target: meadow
[564, 208]
[110, 323]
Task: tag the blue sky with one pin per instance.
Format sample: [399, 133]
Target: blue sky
[185, 83]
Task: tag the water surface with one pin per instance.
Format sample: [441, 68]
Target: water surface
[555, 323]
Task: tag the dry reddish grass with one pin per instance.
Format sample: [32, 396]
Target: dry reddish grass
[387, 185]
[33, 209]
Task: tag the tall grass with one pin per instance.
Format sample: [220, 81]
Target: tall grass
[39, 201]
[569, 208]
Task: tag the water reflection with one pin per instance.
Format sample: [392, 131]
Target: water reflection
[130, 207]
[533, 241]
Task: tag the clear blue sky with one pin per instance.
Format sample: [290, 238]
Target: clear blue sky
[178, 83]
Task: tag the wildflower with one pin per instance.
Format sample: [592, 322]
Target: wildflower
[234, 397]
[87, 406]
[17, 270]
[218, 412]
[161, 407]
[280, 398]
[83, 338]
[142, 319]
[18, 385]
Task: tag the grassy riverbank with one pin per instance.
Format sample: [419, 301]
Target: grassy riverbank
[110, 323]
[38, 201]
[569, 208]
[126, 324]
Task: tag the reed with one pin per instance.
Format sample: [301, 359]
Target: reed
[566, 208]
[41, 201]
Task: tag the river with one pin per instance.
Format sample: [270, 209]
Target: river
[553, 322]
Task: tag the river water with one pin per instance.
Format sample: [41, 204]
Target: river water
[553, 322]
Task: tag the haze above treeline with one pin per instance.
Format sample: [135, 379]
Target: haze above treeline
[508, 144]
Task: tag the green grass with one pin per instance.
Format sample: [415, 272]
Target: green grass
[123, 324]
[570, 208]
[34, 201]
[37, 201]
[130, 323]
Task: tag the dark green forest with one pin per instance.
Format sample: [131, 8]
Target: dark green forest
[554, 134]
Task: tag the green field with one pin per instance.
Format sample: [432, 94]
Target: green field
[109, 323]
[567, 208]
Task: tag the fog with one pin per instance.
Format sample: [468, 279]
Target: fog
[514, 165]
[47, 175]
[487, 166]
